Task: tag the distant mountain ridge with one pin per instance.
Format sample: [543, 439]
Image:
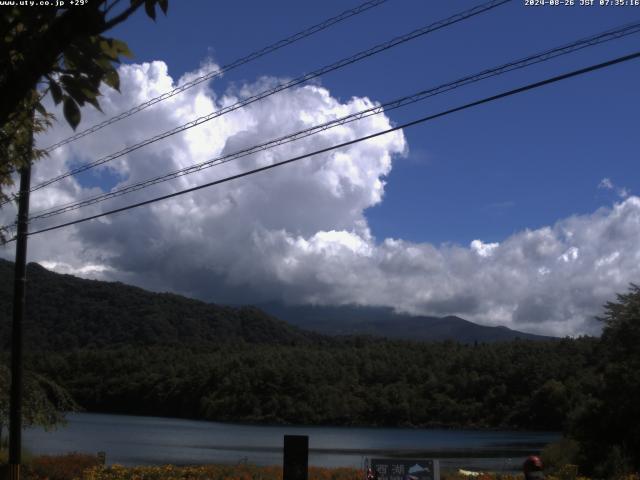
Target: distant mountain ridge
[384, 322]
[67, 312]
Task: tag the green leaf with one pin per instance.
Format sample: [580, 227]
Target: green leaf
[75, 87]
[72, 58]
[112, 79]
[108, 49]
[150, 8]
[113, 48]
[89, 92]
[56, 91]
[71, 112]
[122, 48]
[94, 101]
[95, 80]
[103, 63]
[40, 109]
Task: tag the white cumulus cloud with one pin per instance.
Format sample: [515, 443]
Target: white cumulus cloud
[299, 233]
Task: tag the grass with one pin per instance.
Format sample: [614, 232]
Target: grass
[213, 472]
[75, 466]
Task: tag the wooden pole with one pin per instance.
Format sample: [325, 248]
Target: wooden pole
[19, 290]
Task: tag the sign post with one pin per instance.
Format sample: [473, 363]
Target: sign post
[296, 457]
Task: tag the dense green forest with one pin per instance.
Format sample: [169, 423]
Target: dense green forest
[533, 385]
[118, 349]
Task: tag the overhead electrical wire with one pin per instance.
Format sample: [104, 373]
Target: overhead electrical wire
[540, 57]
[225, 68]
[283, 86]
[424, 119]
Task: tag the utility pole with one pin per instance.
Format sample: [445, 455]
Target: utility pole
[19, 290]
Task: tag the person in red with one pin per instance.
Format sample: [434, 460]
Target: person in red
[532, 468]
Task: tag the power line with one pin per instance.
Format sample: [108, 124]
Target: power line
[217, 73]
[508, 93]
[283, 86]
[304, 78]
[546, 55]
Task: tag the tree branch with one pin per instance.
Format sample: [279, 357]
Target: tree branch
[108, 8]
[122, 16]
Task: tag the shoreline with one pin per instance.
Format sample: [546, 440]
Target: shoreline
[407, 427]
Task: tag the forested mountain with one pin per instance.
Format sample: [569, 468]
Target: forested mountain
[118, 348]
[65, 312]
[384, 322]
[121, 349]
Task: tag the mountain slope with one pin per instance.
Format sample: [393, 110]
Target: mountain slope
[66, 312]
[383, 322]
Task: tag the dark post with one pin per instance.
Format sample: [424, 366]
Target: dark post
[296, 457]
[19, 287]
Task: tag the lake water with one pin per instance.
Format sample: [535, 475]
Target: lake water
[133, 440]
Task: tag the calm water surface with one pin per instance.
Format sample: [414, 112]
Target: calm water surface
[132, 440]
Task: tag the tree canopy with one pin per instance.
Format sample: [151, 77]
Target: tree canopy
[45, 402]
[59, 51]
[62, 52]
[607, 426]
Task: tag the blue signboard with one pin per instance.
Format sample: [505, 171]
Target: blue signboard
[404, 469]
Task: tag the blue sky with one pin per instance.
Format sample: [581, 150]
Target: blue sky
[522, 212]
[523, 162]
